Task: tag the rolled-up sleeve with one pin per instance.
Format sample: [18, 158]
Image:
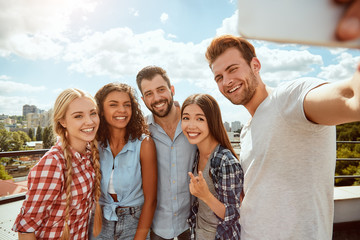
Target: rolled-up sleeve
[229, 184]
[44, 186]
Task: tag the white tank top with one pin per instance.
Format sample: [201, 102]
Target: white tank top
[111, 189]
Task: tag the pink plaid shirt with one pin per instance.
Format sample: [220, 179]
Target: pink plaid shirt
[43, 211]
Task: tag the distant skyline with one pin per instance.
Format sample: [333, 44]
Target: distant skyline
[48, 46]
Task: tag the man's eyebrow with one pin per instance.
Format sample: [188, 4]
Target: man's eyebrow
[230, 66]
[227, 68]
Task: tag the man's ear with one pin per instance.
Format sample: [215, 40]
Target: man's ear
[255, 64]
[172, 88]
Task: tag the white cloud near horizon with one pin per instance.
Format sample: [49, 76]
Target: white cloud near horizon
[11, 87]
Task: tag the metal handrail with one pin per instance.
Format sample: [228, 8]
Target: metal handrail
[23, 153]
[347, 159]
[43, 151]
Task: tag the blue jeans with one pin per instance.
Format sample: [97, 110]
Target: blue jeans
[123, 229]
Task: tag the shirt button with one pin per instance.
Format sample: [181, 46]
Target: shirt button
[173, 181]
[175, 214]
[172, 148]
[173, 164]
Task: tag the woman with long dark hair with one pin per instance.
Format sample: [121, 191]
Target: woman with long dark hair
[217, 177]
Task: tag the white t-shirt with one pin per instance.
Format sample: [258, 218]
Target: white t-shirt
[289, 166]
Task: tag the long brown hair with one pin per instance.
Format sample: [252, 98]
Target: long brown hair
[136, 126]
[212, 113]
[220, 44]
[60, 108]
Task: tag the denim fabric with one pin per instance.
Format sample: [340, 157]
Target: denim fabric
[123, 229]
[127, 177]
[174, 160]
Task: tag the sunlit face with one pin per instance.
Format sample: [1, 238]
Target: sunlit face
[117, 109]
[235, 78]
[194, 124]
[81, 122]
[157, 96]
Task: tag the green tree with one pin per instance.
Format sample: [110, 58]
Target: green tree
[5, 138]
[3, 173]
[31, 134]
[24, 137]
[38, 133]
[347, 132]
[15, 142]
[48, 137]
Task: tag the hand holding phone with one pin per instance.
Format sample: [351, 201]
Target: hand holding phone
[311, 22]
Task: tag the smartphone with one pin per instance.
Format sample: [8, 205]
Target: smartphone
[310, 22]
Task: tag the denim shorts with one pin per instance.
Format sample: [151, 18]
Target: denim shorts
[123, 229]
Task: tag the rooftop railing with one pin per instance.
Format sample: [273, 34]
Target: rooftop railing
[342, 230]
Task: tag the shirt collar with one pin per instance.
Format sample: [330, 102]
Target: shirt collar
[129, 146]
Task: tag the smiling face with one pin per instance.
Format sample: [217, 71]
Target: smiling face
[235, 78]
[117, 109]
[81, 122]
[194, 125]
[157, 96]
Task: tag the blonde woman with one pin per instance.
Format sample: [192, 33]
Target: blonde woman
[63, 185]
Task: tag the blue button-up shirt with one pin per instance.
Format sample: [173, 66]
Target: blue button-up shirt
[174, 159]
[127, 178]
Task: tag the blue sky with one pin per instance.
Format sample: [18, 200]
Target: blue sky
[47, 46]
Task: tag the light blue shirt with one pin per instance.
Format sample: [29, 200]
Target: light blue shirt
[174, 160]
[127, 178]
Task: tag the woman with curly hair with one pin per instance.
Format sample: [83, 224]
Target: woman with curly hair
[64, 183]
[128, 165]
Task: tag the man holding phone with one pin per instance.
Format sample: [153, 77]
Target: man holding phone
[288, 147]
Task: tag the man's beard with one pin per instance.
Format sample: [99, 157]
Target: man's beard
[247, 93]
[167, 110]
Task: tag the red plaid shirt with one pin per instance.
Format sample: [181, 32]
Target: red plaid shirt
[43, 211]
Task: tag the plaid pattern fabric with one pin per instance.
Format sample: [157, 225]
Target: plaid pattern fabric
[228, 176]
[43, 211]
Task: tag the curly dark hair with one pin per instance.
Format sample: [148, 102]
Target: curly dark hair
[137, 124]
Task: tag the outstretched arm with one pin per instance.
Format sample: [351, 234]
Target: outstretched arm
[334, 103]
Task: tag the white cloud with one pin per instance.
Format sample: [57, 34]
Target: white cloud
[229, 25]
[134, 12]
[343, 70]
[172, 36]
[4, 77]
[35, 29]
[12, 105]
[11, 87]
[283, 65]
[164, 17]
[118, 53]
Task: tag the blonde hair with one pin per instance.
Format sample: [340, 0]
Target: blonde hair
[60, 107]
